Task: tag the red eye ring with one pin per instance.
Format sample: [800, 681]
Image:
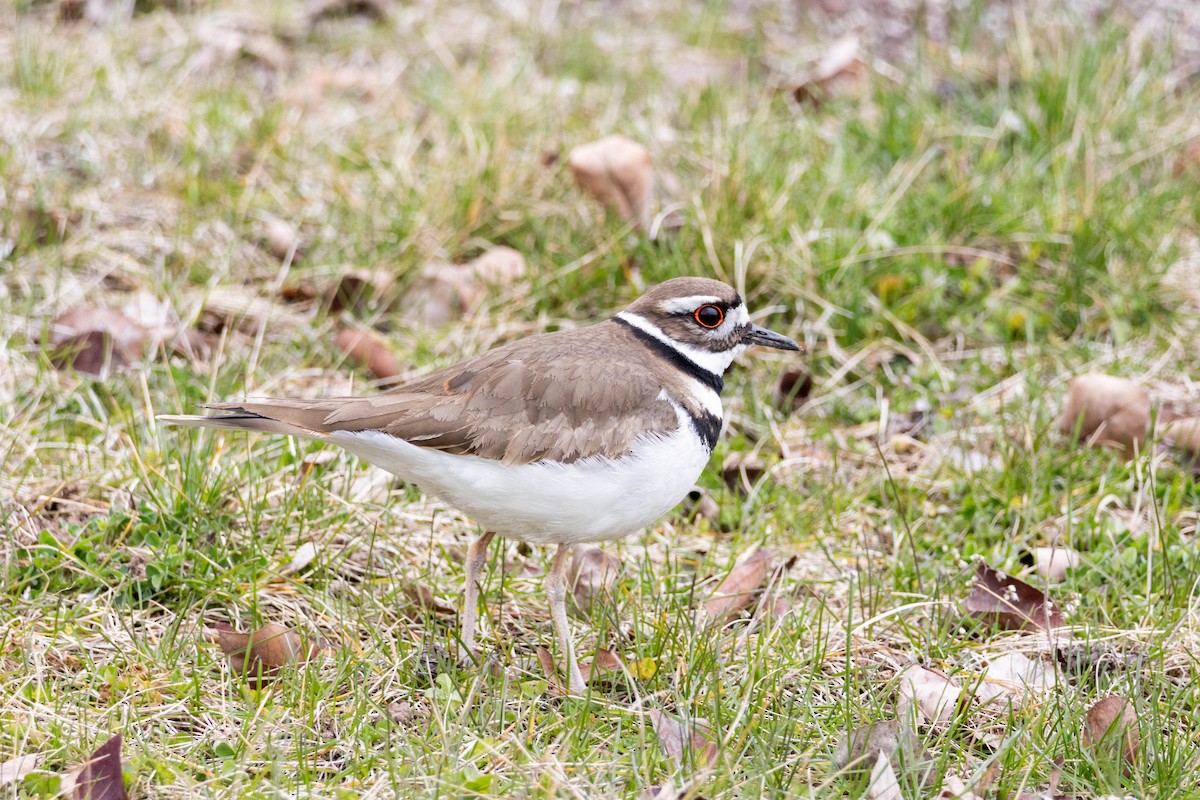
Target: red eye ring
[706, 319]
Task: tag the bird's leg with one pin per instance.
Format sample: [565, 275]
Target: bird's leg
[476, 556]
[556, 591]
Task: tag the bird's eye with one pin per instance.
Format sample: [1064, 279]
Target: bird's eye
[710, 316]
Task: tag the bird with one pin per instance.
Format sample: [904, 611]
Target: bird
[586, 434]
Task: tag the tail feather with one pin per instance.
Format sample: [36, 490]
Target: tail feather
[289, 416]
[239, 422]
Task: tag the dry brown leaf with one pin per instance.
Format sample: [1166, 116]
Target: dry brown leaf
[305, 554]
[934, 695]
[261, 656]
[839, 73]
[1106, 410]
[603, 662]
[741, 471]
[101, 777]
[1009, 602]
[883, 785]
[793, 389]
[550, 670]
[280, 237]
[591, 575]
[673, 734]
[423, 598]
[96, 340]
[1014, 674]
[380, 10]
[855, 752]
[618, 172]
[368, 349]
[740, 587]
[953, 788]
[1184, 435]
[17, 768]
[1052, 563]
[1111, 725]
[444, 292]
[500, 266]
[359, 290]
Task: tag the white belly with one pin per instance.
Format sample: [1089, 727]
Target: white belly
[590, 500]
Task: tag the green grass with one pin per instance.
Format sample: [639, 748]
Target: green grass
[975, 226]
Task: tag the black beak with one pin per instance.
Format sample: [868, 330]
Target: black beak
[767, 338]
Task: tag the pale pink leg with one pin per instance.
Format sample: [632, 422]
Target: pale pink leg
[476, 556]
[556, 591]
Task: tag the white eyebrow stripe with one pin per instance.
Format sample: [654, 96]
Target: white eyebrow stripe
[686, 305]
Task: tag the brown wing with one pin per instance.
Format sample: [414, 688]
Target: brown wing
[559, 396]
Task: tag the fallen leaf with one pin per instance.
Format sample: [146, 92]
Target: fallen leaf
[934, 695]
[101, 777]
[618, 172]
[603, 662]
[549, 669]
[1009, 602]
[500, 266]
[591, 575]
[96, 340]
[298, 292]
[1112, 724]
[1184, 435]
[230, 306]
[304, 555]
[793, 388]
[359, 290]
[699, 504]
[884, 785]
[673, 734]
[741, 471]
[280, 237]
[423, 598]
[1014, 674]
[17, 768]
[380, 10]
[368, 349]
[1052, 563]
[953, 788]
[739, 588]
[665, 791]
[856, 750]
[643, 668]
[262, 655]
[1106, 410]
[839, 73]
[443, 292]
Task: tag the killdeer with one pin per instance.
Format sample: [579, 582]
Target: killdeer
[581, 435]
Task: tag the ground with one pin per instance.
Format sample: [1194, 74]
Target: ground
[956, 212]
